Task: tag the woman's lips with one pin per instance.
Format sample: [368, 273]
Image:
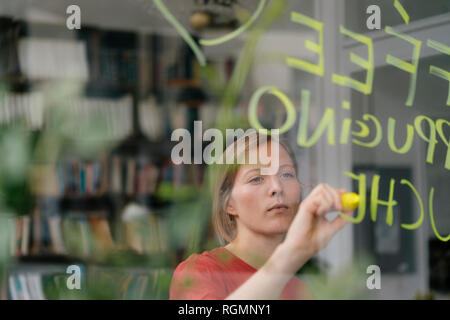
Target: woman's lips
[278, 207]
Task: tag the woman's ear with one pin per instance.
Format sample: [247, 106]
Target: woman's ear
[230, 209]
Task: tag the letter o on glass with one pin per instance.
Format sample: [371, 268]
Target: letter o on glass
[290, 110]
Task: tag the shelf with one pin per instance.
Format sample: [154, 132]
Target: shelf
[138, 144]
[119, 259]
[151, 201]
[47, 259]
[114, 72]
[183, 83]
[86, 203]
[14, 78]
[106, 202]
[108, 89]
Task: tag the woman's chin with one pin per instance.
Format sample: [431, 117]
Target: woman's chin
[282, 224]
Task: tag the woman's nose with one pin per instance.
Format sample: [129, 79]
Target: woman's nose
[276, 188]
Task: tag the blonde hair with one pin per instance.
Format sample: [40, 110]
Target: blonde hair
[224, 224]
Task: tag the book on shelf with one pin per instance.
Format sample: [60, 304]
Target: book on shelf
[20, 232]
[76, 178]
[36, 230]
[52, 285]
[50, 240]
[9, 36]
[28, 286]
[12, 227]
[109, 66]
[27, 108]
[83, 234]
[35, 285]
[87, 235]
[141, 231]
[26, 232]
[114, 114]
[18, 292]
[102, 233]
[134, 287]
[130, 174]
[116, 183]
[152, 119]
[42, 58]
[44, 180]
[102, 175]
[56, 235]
[68, 234]
[19, 235]
[132, 177]
[128, 66]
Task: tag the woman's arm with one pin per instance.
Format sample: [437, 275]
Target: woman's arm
[269, 281]
[309, 232]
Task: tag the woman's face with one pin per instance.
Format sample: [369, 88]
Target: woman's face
[265, 204]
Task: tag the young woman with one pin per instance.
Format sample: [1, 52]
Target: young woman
[268, 231]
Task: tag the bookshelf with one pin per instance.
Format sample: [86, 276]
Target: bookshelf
[105, 212]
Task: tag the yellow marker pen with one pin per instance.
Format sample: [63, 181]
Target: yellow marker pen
[350, 201]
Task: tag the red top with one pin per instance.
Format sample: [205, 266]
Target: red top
[214, 274]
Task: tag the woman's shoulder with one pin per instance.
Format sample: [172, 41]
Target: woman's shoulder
[215, 259]
[200, 276]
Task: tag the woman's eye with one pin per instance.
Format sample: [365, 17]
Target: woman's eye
[287, 175]
[256, 179]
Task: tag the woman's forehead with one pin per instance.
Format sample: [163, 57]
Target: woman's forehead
[269, 151]
[284, 160]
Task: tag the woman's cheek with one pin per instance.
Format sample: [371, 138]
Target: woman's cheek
[248, 197]
[293, 191]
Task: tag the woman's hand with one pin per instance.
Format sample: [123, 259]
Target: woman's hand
[310, 230]
[308, 233]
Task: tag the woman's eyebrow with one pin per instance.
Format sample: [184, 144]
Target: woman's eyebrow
[258, 169]
[250, 171]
